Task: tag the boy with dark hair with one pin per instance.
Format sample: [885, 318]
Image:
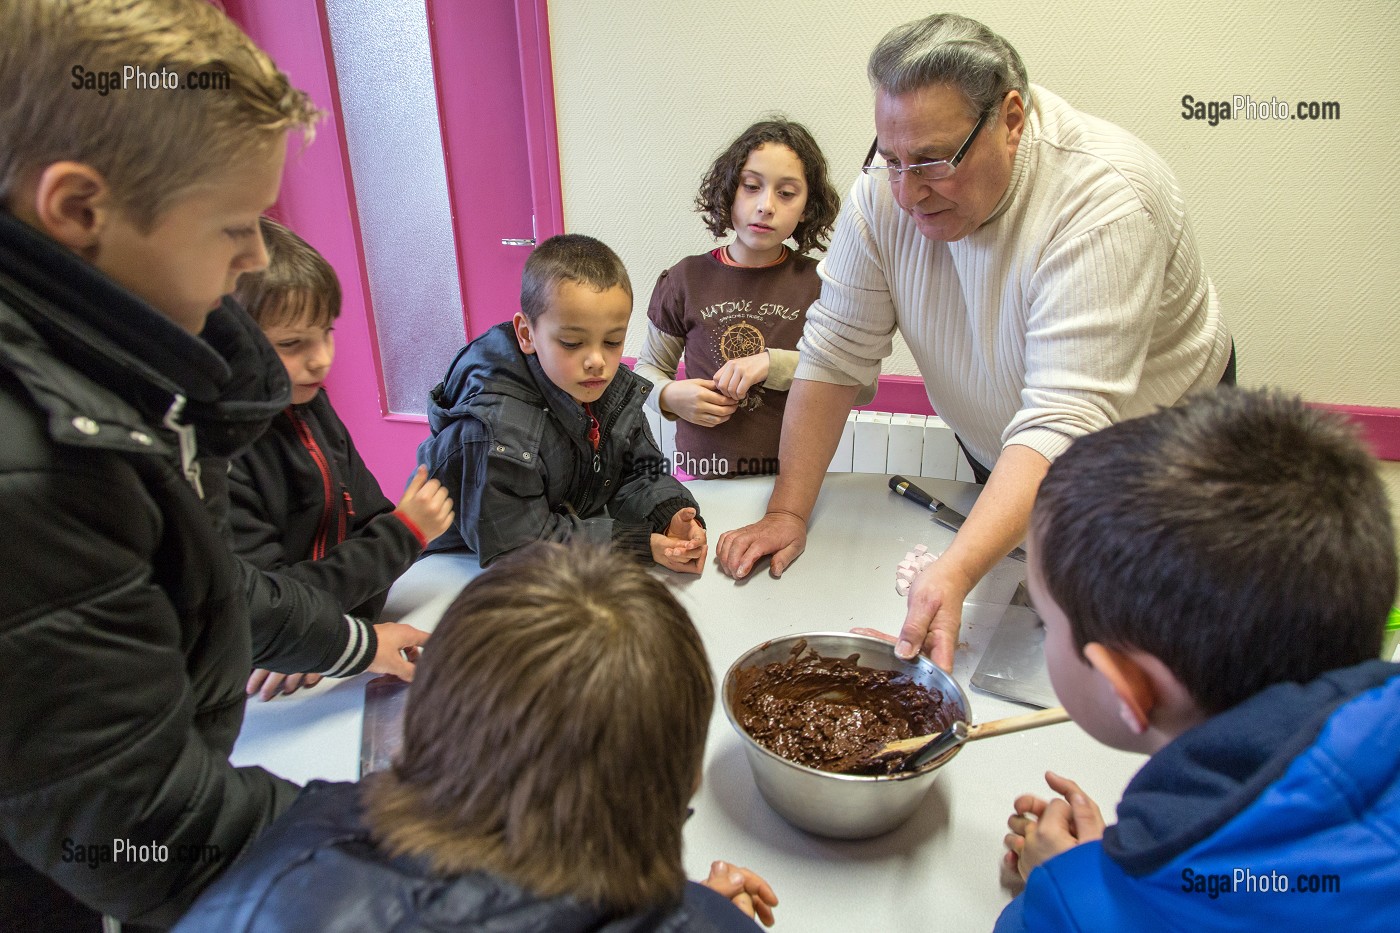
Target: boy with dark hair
[1214, 579]
[303, 503]
[538, 430]
[552, 739]
[126, 214]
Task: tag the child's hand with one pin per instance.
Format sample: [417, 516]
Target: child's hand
[1041, 830]
[737, 376]
[397, 652]
[682, 548]
[269, 684]
[697, 401]
[748, 891]
[426, 504]
[684, 526]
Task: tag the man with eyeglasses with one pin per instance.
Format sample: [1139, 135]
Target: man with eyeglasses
[1039, 264]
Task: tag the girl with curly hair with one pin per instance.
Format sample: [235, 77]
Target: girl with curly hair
[735, 313]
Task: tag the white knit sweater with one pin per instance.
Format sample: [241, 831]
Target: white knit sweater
[1079, 303]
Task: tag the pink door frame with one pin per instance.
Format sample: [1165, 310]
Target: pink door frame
[318, 200]
[495, 163]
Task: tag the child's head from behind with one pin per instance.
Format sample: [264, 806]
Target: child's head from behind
[1239, 539]
[768, 185]
[296, 301]
[575, 301]
[158, 187]
[554, 732]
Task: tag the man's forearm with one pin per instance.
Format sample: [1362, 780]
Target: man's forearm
[997, 522]
[812, 424]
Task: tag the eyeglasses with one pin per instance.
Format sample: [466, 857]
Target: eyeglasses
[928, 171]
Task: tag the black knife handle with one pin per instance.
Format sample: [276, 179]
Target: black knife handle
[911, 492]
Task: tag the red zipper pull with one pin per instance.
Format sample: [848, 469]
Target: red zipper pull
[595, 436]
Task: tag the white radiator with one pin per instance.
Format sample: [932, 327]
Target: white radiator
[875, 442]
[914, 445]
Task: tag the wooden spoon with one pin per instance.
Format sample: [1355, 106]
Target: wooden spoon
[913, 748]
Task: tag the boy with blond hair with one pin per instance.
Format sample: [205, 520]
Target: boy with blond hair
[128, 209]
[552, 741]
[538, 430]
[1214, 579]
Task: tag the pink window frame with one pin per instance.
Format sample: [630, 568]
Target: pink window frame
[318, 192]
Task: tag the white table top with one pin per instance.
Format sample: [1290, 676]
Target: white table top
[941, 869]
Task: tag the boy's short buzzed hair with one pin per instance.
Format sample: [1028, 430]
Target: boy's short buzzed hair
[298, 285]
[152, 145]
[554, 732]
[1241, 537]
[569, 257]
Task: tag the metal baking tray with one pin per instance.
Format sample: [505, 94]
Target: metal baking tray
[382, 732]
[1013, 666]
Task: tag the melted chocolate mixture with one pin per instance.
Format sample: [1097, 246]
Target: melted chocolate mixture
[832, 713]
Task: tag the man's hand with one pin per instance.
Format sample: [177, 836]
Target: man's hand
[934, 617]
[748, 891]
[426, 504]
[397, 652]
[269, 684]
[1041, 830]
[697, 401]
[737, 376]
[781, 534]
[683, 547]
[994, 526]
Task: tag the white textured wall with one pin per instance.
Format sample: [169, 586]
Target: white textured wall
[1298, 221]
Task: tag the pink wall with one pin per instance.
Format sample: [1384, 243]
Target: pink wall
[1379, 426]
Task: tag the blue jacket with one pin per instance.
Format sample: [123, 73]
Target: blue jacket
[1297, 788]
[512, 449]
[317, 868]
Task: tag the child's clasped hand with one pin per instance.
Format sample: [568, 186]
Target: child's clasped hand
[1042, 829]
[698, 401]
[737, 376]
[749, 892]
[683, 547]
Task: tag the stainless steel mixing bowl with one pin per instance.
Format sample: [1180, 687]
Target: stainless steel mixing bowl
[842, 806]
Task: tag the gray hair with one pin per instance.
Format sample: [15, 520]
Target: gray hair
[946, 48]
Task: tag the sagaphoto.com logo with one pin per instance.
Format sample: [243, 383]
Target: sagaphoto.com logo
[1246, 107]
[137, 78]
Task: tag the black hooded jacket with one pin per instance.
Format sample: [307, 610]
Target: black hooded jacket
[124, 617]
[512, 449]
[305, 505]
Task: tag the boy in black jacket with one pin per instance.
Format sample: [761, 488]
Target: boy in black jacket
[538, 430]
[126, 214]
[303, 503]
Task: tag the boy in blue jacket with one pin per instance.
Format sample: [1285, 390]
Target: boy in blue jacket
[1214, 579]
